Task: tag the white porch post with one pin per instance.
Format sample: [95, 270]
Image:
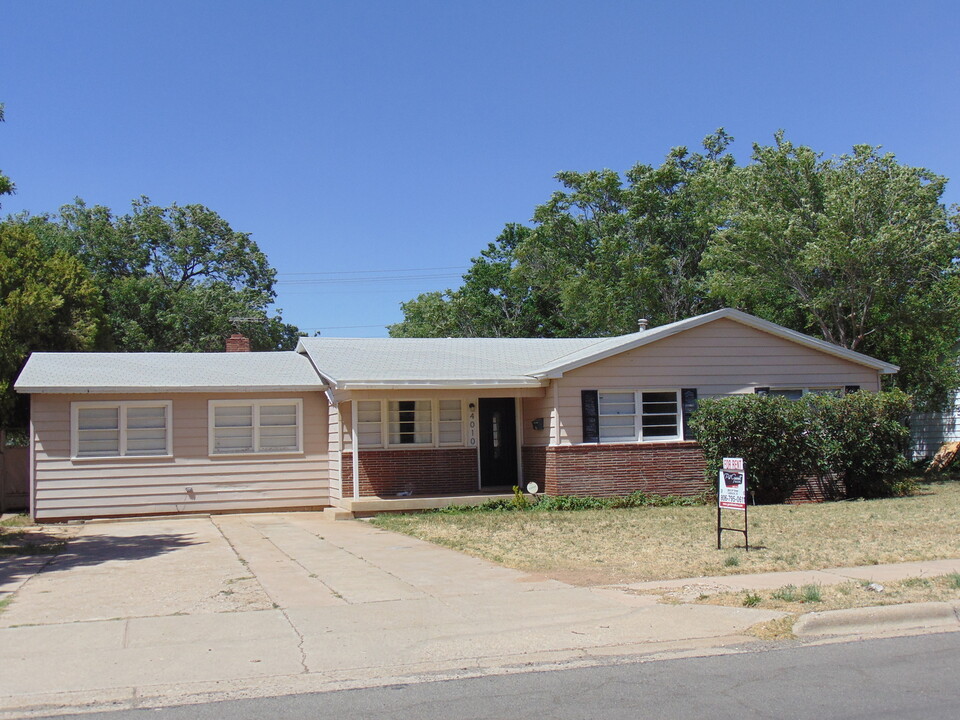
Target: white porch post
[355, 446]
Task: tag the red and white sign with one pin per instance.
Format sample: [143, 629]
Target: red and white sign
[732, 487]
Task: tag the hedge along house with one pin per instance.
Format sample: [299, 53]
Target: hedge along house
[372, 424]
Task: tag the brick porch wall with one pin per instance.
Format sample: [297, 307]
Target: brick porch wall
[675, 468]
[424, 472]
[534, 461]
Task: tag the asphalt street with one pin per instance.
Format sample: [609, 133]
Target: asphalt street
[908, 677]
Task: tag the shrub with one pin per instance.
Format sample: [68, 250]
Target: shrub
[865, 440]
[855, 444]
[771, 433]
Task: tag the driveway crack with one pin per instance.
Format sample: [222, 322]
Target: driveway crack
[276, 605]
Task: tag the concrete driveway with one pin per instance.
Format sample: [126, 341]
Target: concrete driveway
[168, 610]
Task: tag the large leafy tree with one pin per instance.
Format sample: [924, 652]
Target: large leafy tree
[615, 252]
[603, 252]
[856, 249]
[496, 299]
[172, 279]
[48, 301]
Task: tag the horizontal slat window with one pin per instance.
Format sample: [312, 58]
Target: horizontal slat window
[639, 416]
[256, 426]
[659, 419]
[410, 422]
[121, 429]
[451, 422]
[369, 423]
[618, 416]
[407, 423]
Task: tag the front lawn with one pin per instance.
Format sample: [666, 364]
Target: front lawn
[655, 543]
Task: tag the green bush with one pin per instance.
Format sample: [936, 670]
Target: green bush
[772, 435]
[854, 444]
[865, 440]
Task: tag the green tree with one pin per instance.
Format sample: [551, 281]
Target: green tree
[602, 253]
[856, 249]
[6, 184]
[172, 279]
[617, 252]
[496, 299]
[47, 302]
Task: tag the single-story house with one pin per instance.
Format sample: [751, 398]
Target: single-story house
[341, 421]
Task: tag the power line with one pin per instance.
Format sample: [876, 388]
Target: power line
[348, 327]
[372, 279]
[362, 272]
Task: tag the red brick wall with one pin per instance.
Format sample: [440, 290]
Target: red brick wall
[425, 472]
[675, 468]
[534, 459]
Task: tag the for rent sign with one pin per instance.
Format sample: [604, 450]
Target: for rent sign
[733, 485]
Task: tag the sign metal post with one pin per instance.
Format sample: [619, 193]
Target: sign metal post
[732, 495]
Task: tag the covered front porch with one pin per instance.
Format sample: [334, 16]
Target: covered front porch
[425, 449]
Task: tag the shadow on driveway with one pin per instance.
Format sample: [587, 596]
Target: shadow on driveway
[86, 550]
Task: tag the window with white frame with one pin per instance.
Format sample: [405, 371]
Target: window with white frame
[121, 429]
[639, 416]
[255, 426]
[450, 424]
[409, 422]
[369, 423]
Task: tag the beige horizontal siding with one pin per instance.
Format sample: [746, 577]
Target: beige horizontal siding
[66, 487]
[720, 358]
[533, 408]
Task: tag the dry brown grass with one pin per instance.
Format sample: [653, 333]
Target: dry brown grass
[944, 588]
[613, 546]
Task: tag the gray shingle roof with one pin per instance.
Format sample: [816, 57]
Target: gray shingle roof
[355, 362]
[432, 362]
[369, 362]
[167, 372]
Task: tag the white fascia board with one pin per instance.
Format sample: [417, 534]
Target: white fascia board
[113, 390]
[442, 384]
[743, 318]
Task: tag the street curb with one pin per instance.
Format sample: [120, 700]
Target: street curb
[883, 618]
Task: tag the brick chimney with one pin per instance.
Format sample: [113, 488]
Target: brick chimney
[238, 343]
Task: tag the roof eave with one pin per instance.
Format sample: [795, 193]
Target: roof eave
[158, 389]
[478, 384]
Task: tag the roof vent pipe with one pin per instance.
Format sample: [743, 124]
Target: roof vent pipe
[642, 323]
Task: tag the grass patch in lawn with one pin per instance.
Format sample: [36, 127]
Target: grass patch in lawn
[839, 597]
[657, 543]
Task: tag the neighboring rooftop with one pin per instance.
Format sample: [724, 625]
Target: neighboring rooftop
[167, 372]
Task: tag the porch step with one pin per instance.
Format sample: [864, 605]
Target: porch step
[335, 513]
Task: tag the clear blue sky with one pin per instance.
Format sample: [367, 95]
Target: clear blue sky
[354, 137]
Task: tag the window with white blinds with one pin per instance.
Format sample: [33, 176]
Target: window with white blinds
[402, 423]
[255, 426]
[121, 429]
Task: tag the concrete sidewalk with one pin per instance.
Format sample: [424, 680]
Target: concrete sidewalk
[195, 608]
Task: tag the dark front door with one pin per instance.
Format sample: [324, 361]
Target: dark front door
[498, 442]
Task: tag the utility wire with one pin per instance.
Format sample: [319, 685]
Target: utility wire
[362, 272]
